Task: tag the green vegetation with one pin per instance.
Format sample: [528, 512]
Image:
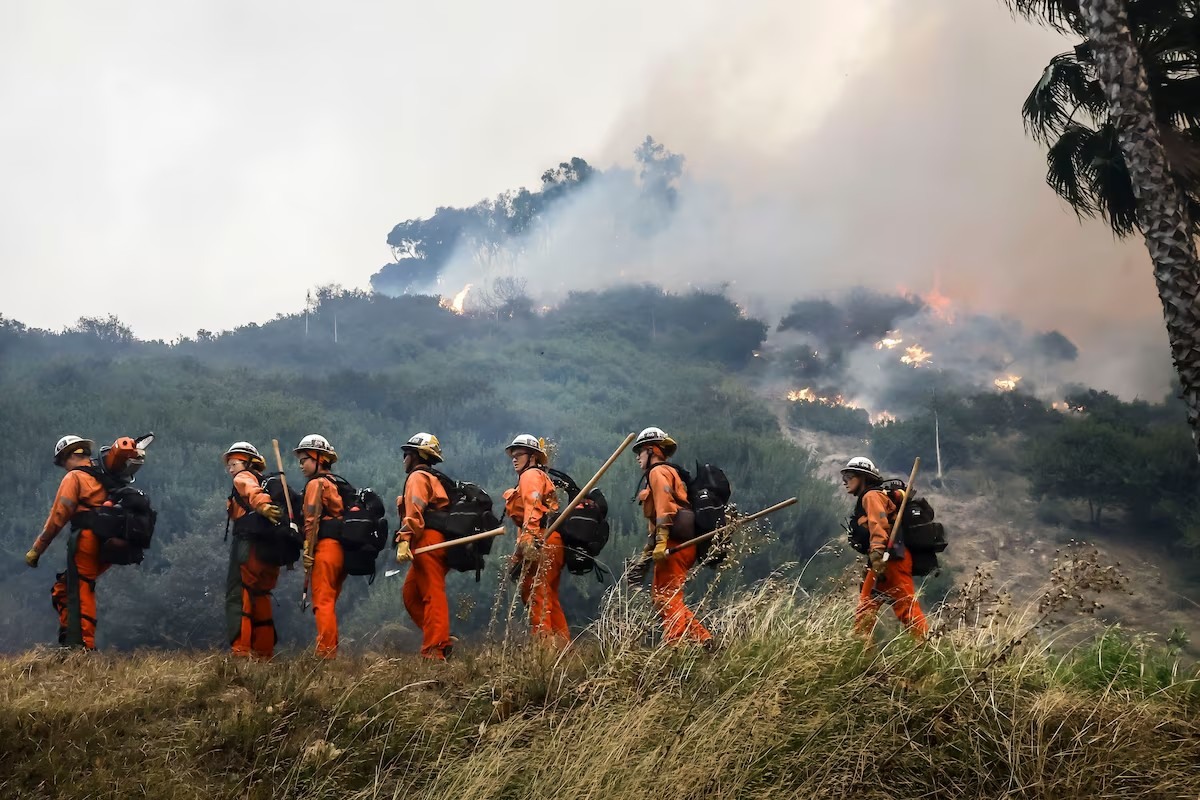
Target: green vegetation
[583, 374]
[1097, 453]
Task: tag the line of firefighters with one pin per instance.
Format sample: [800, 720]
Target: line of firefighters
[529, 504]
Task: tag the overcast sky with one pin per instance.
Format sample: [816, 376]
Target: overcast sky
[192, 165]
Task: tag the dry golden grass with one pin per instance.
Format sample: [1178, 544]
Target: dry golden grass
[789, 706]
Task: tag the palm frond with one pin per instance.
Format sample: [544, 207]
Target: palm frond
[1067, 165]
[1110, 188]
[1067, 84]
[1061, 15]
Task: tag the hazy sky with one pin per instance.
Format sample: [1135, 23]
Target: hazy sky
[195, 165]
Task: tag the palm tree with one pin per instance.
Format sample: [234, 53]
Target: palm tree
[1068, 111]
[1161, 207]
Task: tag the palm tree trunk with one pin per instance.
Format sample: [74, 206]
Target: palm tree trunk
[1160, 203]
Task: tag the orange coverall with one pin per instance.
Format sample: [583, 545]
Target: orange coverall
[322, 502]
[895, 586]
[527, 505]
[74, 592]
[425, 584]
[663, 496]
[249, 622]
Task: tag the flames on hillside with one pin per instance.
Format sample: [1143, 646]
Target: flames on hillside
[914, 354]
[455, 304]
[1007, 383]
[808, 395]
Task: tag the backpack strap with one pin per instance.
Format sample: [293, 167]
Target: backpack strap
[645, 479]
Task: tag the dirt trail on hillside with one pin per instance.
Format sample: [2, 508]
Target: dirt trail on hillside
[1000, 529]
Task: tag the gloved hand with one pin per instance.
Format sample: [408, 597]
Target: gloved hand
[878, 565]
[272, 512]
[31, 558]
[403, 552]
[660, 544]
[308, 558]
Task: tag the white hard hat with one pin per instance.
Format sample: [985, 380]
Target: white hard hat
[71, 443]
[530, 442]
[863, 466]
[425, 445]
[657, 436]
[248, 450]
[318, 444]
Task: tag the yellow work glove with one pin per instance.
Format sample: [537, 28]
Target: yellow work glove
[308, 558]
[403, 552]
[660, 544]
[31, 558]
[272, 512]
[878, 565]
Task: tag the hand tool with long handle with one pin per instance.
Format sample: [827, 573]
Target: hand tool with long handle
[287, 496]
[736, 523]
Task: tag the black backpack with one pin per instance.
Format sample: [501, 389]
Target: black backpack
[708, 495]
[363, 529]
[470, 511]
[923, 537]
[586, 531]
[124, 524]
[276, 544]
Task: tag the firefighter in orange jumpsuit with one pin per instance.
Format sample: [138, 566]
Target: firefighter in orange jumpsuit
[889, 581]
[425, 584]
[531, 505]
[664, 497]
[74, 592]
[322, 517]
[249, 622]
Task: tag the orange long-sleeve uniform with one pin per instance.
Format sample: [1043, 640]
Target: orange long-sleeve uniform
[527, 505]
[665, 494]
[323, 503]
[249, 621]
[896, 585]
[74, 591]
[425, 584]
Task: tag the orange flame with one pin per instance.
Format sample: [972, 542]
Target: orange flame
[807, 395]
[1007, 384]
[939, 304]
[915, 356]
[456, 305]
[889, 343]
[882, 417]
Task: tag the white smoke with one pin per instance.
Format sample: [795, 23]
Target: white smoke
[880, 146]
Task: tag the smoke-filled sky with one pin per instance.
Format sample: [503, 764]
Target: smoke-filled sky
[202, 164]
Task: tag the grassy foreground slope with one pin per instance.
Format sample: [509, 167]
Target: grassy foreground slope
[790, 706]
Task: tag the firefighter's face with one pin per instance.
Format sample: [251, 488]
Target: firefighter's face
[76, 460]
[308, 465]
[852, 482]
[235, 465]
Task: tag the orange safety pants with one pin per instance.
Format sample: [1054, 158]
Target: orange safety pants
[74, 592]
[328, 575]
[425, 596]
[667, 593]
[539, 591]
[249, 622]
[895, 588]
